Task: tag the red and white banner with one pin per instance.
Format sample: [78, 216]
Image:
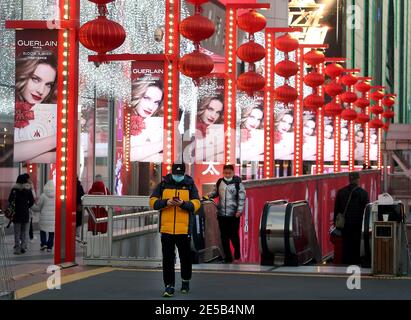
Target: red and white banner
[35, 122]
[320, 194]
[147, 113]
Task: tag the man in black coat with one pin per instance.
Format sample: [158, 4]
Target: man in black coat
[354, 211]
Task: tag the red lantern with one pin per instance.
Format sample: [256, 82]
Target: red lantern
[362, 118]
[348, 97]
[349, 115]
[250, 82]
[314, 57]
[313, 102]
[386, 126]
[377, 109]
[251, 52]
[376, 124]
[101, 2]
[252, 21]
[314, 79]
[286, 68]
[286, 43]
[363, 87]
[285, 94]
[388, 102]
[362, 103]
[333, 89]
[377, 95]
[102, 35]
[334, 70]
[196, 65]
[349, 80]
[333, 109]
[388, 114]
[197, 28]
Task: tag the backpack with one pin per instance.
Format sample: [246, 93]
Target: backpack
[11, 209]
[237, 181]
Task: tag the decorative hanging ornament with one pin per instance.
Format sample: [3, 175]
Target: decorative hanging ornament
[251, 52]
[376, 124]
[349, 80]
[251, 21]
[250, 82]
[286, 68]
[314, 57]
[362, 103]
[388, 102]
[285, 94]
[334, 70]
[388, 114]
[377, 95]
[314, 79]
[348, 97]
[386, 126]
[197, 28]
[313, 102]
[102, 35]
[363, 87]
[377, 110]
[333, 109]
[286, 43]
[362, 118]
[333, 89]
[196, 65]
[197, 2]
[349, 115]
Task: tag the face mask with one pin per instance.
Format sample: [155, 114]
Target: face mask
[228, 179]
[178, 178]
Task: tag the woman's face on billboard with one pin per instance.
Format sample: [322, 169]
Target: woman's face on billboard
[150, 102]
[328, 132]
[285, 123]
[254, 119]
[39, 85]
[309, 128]
[359, 137]
[212, 112]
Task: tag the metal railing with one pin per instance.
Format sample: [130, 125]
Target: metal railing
[6, 275]
[131, 236]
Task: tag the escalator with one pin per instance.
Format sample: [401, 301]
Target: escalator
[287, 235]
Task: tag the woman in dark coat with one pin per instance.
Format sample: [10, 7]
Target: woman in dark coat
[22, 196]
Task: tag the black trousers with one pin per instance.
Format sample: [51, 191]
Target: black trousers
[31, 234]
[229, 227]
[351, 237]
[183, 243]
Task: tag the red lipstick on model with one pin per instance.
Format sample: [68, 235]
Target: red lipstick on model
[35, 97]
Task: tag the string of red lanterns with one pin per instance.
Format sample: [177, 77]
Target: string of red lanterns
[314, 79]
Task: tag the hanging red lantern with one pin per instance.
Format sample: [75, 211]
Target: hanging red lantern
[348, 97]
[349, 80]
[377, 95]
[286, 43]
[333, 89]
[251, 52]
[376, 124]
[388, 102]
[362, 118]
[314, 79]
[314, 57]
[349, 115]
[252, 21]
[197, 28]
[333, 109]
[285, 94]
[196, 65]
[386, 126]
[102, 35]
[362, 103]
[313, 102]
[334, 70]
[377, 110]
[286, 68]
[250, 82]
[388, 114]
[363, 87]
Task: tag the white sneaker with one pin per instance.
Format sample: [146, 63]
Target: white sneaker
[32, 240]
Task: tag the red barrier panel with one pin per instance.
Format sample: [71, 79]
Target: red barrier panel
[320, 192]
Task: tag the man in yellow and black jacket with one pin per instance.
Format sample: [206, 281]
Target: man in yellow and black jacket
[176, 197]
